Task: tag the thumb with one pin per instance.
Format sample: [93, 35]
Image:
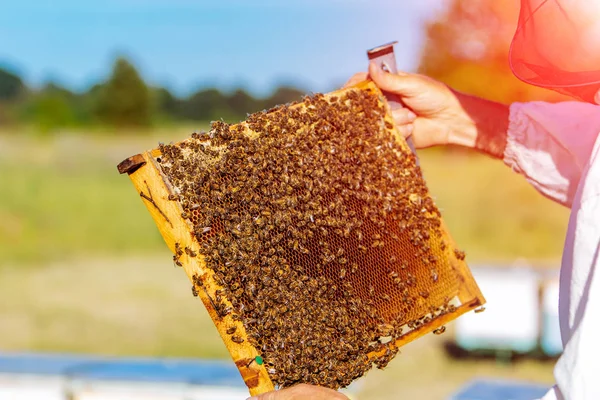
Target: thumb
[402, 84]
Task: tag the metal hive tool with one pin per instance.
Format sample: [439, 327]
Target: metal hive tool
[383, 56]
[309, 234]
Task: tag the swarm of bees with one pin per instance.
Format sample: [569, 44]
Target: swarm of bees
[316, 221]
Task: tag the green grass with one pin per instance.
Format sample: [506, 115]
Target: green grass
[62, 197]
[493, 213]
[143, 306]
[423, 371]
[117, 306]
[83, 268]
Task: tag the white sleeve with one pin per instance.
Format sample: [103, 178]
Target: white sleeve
[577, 370]
[550, 144]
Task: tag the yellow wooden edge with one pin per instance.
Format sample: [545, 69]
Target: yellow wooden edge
[175, 230]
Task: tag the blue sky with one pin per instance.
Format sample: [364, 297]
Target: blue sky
[185, 44]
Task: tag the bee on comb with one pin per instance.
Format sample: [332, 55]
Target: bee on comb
[305, 230]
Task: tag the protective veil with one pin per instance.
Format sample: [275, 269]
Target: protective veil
[557, 46]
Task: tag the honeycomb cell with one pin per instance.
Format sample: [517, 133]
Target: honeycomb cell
[319, 225]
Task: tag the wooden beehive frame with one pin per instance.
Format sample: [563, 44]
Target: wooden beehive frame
[154, 189]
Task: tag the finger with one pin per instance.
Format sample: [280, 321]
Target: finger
[403, 116]
[356, 78]
[406, 130]
[403, 84]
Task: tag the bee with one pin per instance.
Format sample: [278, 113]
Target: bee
[385, 329]
[359, 236]
[190, 252]
[371, 290]
[177, 262]
[236, 317]
[346, 232]
[304, 250]
[459, 254]
[236, 232]
[178, 250]
[434, 275]
[479, 310]
[231, 330]
[439, 330]
[197, 280]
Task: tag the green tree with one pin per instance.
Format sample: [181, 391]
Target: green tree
[53, 111]
[11, 85]
[241, 103]
[167, 105]
[206, 105]
[467, 47]
[50, 108]
[283, 95]
[124, 100]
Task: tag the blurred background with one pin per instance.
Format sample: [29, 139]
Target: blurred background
[84, 85]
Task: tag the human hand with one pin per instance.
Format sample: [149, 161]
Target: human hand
[433, 114]
[302, 392]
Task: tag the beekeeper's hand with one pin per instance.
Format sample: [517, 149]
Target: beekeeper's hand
[432, 110]
[302, 392]
[435, 114]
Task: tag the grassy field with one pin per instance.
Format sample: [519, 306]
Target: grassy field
[143, 306]
[83, 268]
[66, 199]
[62, 197]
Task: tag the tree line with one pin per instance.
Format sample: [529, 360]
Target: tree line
[124, 100]
[466, 47]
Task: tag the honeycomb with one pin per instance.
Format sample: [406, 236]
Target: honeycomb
[316, 222]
